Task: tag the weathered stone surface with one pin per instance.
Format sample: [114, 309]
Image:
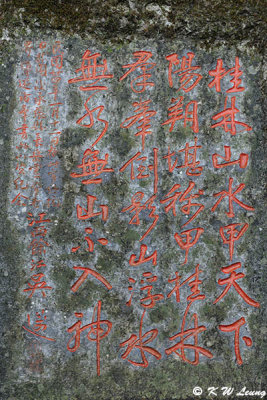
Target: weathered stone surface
[210, 30]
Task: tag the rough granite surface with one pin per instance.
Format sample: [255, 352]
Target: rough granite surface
[212, 30]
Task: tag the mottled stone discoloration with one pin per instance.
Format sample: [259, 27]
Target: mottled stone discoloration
[211, 30]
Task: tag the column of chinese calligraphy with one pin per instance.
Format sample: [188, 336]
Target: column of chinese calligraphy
[186, 75]
[56, 129]
[22, 129]
[229, 121]
[92, 76]
[37, 282]
[139, 71]
[39, 80]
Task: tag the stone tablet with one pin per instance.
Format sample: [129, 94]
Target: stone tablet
[132, 254]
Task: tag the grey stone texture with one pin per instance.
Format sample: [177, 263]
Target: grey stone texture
[33, 368]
